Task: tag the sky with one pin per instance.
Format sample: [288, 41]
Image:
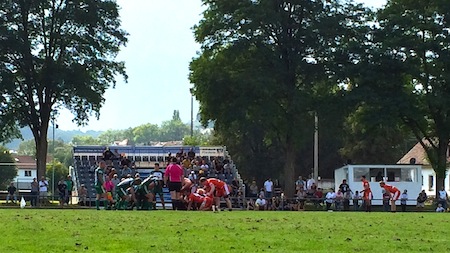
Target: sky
[160, 47]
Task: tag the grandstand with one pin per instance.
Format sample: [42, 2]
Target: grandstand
[143, 159]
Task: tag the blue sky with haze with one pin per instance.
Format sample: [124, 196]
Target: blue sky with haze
[160, 47]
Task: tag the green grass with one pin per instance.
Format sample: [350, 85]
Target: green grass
[56, 230]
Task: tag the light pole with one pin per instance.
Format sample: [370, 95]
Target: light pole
[53, 158]
[316, 148]
[191, 90]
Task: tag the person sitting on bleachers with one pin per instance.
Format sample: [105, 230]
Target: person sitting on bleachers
[125, 171]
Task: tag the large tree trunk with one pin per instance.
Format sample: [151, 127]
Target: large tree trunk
[440, 166]
[289, 170]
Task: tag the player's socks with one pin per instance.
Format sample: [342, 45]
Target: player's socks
[154, 205]
[125, 205]
[105, 203]
[97, 204]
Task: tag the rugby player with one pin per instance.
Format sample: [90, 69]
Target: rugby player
[216, 188]
[393, 191]
[99, 185]
[125, 192]
[367, 194]
[158, 189]
[147, 189]
[205, 202]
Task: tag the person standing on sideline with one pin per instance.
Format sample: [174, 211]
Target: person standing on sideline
[69, 183]
[34, 192]
[174, 174]
[43, 188]
[421, 200]
[403, 200]
[11, 193]
[443, 197]
[158, 189]
[393, 191]
[268, 188]
[99, 182]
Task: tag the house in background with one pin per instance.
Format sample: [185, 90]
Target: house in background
[26, 171]
[417, 155]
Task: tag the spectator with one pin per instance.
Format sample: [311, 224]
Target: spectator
[108, 156]
[268, 188]
[440, 208]
[191, 154]
[109, 187]
[250, 204]
[301, 198]
[330, 198]
[339, 200]
[62, 189]
[253, 190]
[260, 203]
[318, 196]
[310, 183]
[43, 188]
[344, 187]
[421, 200]
[34, 192]
[300, 183]
[403, 200]
[11, 193]
[204, 167]
[356, 200]
[347, 198]
[69, 183]
[126, 171]
[443, 198]
[82, 195]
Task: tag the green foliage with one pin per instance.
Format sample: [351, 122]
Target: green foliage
[406, 73]
[58, 170]
[246, 231]
[265, 66]
[56, 54]
[60, 151]
[7, 172]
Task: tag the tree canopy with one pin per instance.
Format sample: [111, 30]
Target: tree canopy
[56, 54]
[266, 66]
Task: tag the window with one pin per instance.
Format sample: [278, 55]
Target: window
[430, 183]
[153, 158]
[28, 173]
[145, 158]
[160, 159]
[137, 158]
[401, 175]
[376, 174]
[358, 172]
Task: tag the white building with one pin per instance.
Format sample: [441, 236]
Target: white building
[417, 155]
[26, 171]
[403, 177]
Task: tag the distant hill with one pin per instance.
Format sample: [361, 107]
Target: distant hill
[65, 136]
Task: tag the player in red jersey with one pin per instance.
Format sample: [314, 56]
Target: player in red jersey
[216, 189]
[186, 186]
[205, 202]
[367, 194]
[395, 194]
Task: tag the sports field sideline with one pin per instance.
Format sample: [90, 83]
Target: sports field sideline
[43, 230]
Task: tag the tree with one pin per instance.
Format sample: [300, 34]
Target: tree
[60, 171]
[146, 133]
[407, 73]
[264, 67]
[174, 129]
[56, 54]
[8, 171]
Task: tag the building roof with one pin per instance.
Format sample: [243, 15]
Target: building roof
[417, 152]
[25, 161]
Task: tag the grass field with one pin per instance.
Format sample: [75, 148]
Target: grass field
[28, 230]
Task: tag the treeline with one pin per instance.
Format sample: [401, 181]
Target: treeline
[377, 80]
